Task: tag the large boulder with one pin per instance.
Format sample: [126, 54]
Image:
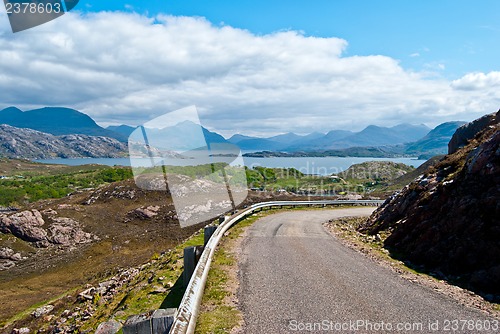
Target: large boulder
[66, 231]
[26, 225]
[29, 226]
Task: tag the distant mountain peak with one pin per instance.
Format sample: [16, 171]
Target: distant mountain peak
[187, 123]
[123, 129]
[286, 138]
[11, 109]
[235, 139]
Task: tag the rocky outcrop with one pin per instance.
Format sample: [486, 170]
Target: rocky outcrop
[8, 258]
[94, 147]
[447, 219]
[42, 311]
[106, 194]
[26, 225]
[9, 254]
[66, 232]
[468, 131]
[376, 170]
[144, 212]
[30, 226]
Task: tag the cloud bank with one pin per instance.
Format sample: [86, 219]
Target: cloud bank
[128, 68]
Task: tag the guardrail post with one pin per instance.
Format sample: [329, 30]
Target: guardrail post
[137, 324]
[191, 256]
[162, 320]
[155, 322]
[207, 233]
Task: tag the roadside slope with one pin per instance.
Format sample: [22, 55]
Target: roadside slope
[447, 220]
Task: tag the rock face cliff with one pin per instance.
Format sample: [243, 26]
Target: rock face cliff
[448, 219]
[468, 131]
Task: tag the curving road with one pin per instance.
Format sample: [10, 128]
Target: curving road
[297, 278]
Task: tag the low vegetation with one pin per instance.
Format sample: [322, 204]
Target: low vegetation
[23, 182]
[360, 178]
[20, 185]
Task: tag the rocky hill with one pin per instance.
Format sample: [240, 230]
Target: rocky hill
[376, 171]
[468, 131]
[32, 144]
[447, 220]
[56, 121]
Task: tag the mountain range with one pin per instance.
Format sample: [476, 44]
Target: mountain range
[402, 139]
[371, 136]
[377, 141]
[56, 121]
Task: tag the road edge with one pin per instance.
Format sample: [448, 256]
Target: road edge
[370, 246]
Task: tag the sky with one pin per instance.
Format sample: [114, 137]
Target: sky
[261, 67]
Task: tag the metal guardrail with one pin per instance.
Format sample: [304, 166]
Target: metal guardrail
[185, 319]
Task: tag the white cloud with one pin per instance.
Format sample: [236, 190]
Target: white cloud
[416, 54]
[128, 68]
[478, 81]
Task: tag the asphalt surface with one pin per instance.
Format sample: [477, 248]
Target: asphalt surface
[297, 278]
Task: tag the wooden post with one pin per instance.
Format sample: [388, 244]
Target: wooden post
[207, 233]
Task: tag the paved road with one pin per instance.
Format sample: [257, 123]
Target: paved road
[295, 277]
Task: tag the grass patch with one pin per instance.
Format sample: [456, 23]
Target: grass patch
[27, 313]
[219, 321]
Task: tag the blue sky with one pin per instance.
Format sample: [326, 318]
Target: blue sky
[452, 37]
[261, 67]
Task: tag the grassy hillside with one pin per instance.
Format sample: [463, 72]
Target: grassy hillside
[24, 182]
